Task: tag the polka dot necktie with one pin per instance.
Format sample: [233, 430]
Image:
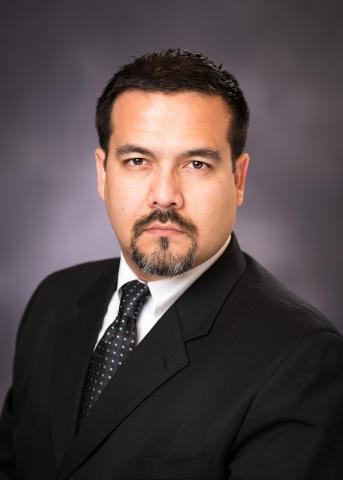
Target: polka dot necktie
[114, 347]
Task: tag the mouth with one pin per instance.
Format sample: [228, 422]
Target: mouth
[163, 229]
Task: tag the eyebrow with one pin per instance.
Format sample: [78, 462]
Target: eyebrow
[129, 148]
[207, 153]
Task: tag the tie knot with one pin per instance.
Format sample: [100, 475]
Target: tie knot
[133, 296]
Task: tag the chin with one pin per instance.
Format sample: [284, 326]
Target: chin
[162, 259]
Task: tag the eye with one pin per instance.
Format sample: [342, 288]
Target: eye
[198, 165]
[135, 162]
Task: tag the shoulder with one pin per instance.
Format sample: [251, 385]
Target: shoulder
[64, 287]
[272, 313]
[77, 278]
[92, 270]
[270, 330]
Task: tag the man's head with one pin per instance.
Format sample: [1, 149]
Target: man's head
[171, 168]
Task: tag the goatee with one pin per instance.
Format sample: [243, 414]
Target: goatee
[161, 261]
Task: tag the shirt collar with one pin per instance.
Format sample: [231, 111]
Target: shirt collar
[166, 291]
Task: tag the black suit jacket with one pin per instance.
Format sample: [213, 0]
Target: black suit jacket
[239, 380]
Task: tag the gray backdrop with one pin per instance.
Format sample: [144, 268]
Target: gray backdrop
[56, 58]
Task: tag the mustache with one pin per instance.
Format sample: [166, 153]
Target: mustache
[163, 216]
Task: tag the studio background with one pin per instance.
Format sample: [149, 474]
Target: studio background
[56, 58]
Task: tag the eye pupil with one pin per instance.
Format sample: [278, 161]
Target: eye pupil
[137, 161]
[197, 164]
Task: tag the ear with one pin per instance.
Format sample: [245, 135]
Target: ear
[240, 174]
[100, 157]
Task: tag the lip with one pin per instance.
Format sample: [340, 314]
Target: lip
[163, 228]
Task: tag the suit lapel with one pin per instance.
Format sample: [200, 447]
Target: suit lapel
[73, 347]
[199, 306]
[161, 354]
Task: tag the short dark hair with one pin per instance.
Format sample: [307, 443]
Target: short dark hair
[171, 71]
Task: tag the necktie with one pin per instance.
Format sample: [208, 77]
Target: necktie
[114, 347]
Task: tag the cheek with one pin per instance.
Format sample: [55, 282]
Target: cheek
[124, 204]
[118, 191]
[214, 213]
[118, 203]
[214, 206]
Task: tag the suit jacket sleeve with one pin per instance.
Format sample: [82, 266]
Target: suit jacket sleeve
[6, 446]
[7, 454]
[294, 428]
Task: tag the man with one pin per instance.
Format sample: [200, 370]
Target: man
[186, 359]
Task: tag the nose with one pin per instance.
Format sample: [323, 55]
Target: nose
[165, 191]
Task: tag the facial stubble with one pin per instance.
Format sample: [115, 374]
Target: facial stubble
[162, 262]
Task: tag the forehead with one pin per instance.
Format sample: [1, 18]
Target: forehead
[179, 115]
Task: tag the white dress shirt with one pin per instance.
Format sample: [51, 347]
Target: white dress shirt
[163, 294]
